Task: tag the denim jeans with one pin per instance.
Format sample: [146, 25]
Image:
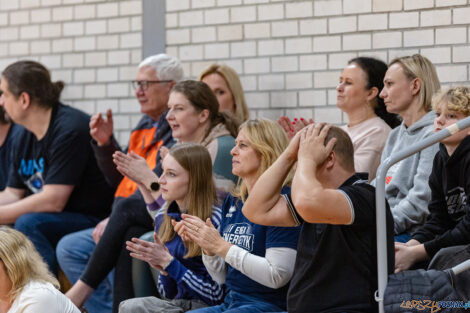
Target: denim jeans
[235, 302]
[46, 229]
[73, 253]
[403, 237]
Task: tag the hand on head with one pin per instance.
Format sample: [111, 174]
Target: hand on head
[312, 143]
[101, 129]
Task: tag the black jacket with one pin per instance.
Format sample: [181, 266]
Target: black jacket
[449, 221]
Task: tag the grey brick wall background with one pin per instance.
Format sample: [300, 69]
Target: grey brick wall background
[288, 53]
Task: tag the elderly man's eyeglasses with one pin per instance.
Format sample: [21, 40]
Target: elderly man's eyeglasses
[144, 84]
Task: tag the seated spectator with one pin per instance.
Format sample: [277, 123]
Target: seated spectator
[409, 85]
[255, 262]
[226, 85]
[156, 75]
[369, 122]
[449, 221]
[8, 132]
[193, 117]
[26, 285]
[336, 266]
[55, 186]
[187, 187]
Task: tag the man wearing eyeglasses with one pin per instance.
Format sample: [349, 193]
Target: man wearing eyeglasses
[155, 77]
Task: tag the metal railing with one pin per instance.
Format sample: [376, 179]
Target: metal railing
[380, 199]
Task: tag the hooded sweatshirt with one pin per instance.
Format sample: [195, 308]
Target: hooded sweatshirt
[449, 220]
[406, 184]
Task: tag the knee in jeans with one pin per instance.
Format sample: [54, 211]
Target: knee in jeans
[65, 247]
[27, 223]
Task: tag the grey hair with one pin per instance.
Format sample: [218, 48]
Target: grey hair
[167, 67]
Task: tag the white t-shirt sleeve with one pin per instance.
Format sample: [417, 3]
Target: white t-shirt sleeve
[38, 297]
[274, 271]
[216, 267]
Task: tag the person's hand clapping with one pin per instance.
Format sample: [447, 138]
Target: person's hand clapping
[293, 127]
[134, 167]
[205, 235]
[101, 129]
[154, 253]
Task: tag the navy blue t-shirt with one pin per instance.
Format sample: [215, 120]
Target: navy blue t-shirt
[6, 153]
[64, 157]
[238, 230]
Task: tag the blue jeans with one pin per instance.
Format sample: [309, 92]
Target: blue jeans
[403, 237]
[73, 253]
[235, 302]
[46, 229]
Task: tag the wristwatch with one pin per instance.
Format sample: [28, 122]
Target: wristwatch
[154, 186]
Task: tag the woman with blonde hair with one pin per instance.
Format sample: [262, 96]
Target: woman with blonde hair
[26, 285]
[193, 116]
[187, 186]
[226, 85]
[255, 262]
[409, 85]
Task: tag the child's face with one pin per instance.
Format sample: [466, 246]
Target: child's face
[445, 118]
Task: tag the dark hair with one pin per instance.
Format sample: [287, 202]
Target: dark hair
[202, 98]
[4, 118]
[34, 79]
[375, 71]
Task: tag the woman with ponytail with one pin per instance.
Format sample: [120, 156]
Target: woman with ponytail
[54, 185]
[369, 123]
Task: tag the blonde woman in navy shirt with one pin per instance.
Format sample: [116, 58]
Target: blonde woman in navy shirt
[255, 262]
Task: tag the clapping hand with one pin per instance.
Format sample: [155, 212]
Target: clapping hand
[156, 254]
[133, 167]
[101, 129]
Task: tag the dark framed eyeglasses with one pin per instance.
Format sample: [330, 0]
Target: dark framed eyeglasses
[144, 84]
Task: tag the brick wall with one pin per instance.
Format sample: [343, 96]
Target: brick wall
[289, 53]
[94, 46]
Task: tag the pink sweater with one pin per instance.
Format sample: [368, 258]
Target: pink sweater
[368, 139]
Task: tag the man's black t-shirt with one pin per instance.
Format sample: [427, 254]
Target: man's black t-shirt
[63, 156]
[336, 265]
[6, 153]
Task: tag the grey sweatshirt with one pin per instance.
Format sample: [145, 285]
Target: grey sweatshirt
[406, 185]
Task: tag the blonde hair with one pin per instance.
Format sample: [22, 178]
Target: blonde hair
[233, 82]
[456, 99]
[418, 66]
[196, 160]
[22, 262]
[269, 140]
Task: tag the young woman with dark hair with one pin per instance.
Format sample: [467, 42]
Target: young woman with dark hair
[55, 186]
[8, 132]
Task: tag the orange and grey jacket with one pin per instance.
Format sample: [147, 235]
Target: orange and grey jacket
[145, 140]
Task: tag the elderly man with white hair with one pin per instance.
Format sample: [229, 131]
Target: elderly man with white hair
[88, 257]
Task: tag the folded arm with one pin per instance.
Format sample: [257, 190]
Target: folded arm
[52, 199]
